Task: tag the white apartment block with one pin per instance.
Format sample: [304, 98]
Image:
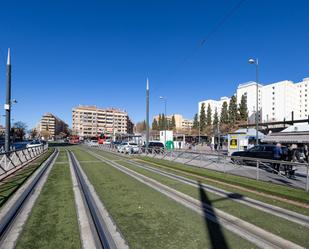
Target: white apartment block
[92, 121]
[279, 100]
[249, 90]
[303, 91]
[214, 104]
[276, 101]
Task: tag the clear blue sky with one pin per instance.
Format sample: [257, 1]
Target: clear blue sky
[66, 53]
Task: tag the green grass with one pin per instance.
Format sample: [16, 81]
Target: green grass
[10, 185]
[182, 170]
[147, 218]
[53, 221]
[281, 227]
[265, 187]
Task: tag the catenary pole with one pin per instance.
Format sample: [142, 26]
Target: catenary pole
[7, 105]
[147, 114]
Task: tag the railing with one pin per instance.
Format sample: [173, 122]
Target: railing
[257, 168]
[16, 159]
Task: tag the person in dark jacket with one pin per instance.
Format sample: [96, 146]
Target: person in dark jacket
[277, 156]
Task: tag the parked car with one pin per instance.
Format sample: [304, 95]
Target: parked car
[128, 148]
[154, 147]
[33, 144]
[264, 151]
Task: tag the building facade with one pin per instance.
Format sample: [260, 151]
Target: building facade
[214, 104]
[180, 122]
[89, 121]
[277, 101]
[51, 126]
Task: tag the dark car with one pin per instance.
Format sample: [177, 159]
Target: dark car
[264, 151]
[154, 147]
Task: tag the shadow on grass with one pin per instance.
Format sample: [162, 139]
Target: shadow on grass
[55, 144]
[212, 223]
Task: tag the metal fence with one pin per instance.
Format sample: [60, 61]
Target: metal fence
[16, 159]
[293, 174]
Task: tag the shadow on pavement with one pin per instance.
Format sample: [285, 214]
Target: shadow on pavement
[212, 223]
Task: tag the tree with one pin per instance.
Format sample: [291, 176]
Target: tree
[19, 130]
[209, 114]
[33, 133]
[173, 123]
[224, 118]
[164, 124]
[216, 120]
[155, 126]
[160, 122]
[243, 110]
[202, 118]
[195, 122]
[233, 110]
[140, 126]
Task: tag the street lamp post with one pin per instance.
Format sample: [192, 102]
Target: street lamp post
[256, 63]
[165, 121]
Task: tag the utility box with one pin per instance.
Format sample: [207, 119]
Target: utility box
[166, 136]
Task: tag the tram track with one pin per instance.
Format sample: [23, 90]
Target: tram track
[252, 233]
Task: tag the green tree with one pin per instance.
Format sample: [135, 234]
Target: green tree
[203, 118]
[173, 123]
[233, 110]
[224, 118]
[164, 123]
[216, 120]
[144, 125]
[195, 122]
[160, 122]
[209, 116]
[243, 109]
[155, 126]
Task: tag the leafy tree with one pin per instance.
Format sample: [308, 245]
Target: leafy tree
[160, 122]
[173, 124]
[224, 118]
[202, 118]
[209, 114]
[243, 110]
[155, 126]
[33, 133]
[195, 122]
[233, 110]
[164, 122]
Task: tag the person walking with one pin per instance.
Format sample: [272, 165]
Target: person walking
[277, 156]
[306, 152]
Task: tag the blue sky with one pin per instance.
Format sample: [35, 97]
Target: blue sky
[66, 53]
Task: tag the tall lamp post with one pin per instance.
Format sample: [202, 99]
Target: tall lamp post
[256, 63]
[165, 121]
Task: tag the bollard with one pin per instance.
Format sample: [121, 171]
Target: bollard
[257, 170]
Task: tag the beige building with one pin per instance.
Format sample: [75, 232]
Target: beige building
[91, 121]
[180, 122]
[51, 126]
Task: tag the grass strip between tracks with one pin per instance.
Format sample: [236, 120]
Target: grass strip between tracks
[53, 221]
[281, 227]
[10, 185]
[147, 218]
[199, 174]
[265, 187]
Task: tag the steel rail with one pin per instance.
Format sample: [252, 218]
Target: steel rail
[256, 235]
[106, 241]
[9, 218]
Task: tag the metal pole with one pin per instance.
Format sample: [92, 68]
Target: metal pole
[307, 179]
[7, 105]
[257, 170]
[257, 102]
[147, 115]
[165, 122]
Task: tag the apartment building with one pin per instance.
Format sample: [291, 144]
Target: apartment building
[180, 122]
[277, 101]
[303, 92]
[88, 121]
[249, 91]
[51, 126]
[214, 104]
